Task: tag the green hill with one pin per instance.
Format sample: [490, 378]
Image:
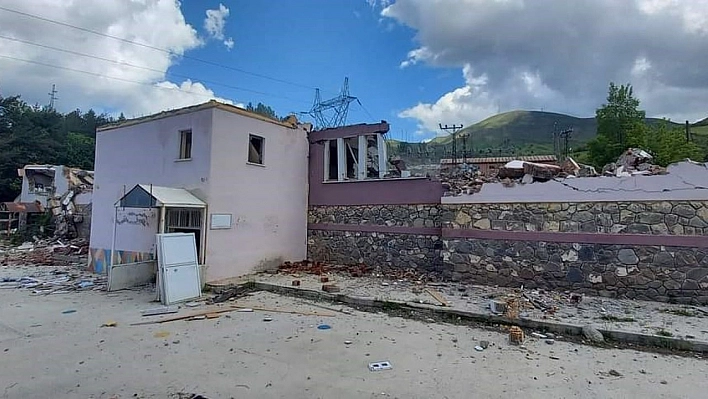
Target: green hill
[519, 133]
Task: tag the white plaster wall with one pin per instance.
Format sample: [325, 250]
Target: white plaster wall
[685, 181]
[136, 229]
[146, 153]
[268, 203]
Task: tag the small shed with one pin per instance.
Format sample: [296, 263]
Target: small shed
[15, 215]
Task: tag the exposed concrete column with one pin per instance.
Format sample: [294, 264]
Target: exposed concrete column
[383, 157]
[363, 143]
[341, 160]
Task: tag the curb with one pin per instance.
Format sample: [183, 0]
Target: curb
[371, 303]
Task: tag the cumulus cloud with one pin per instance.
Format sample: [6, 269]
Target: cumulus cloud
[214, 24]
[558, 55]
[105, 86]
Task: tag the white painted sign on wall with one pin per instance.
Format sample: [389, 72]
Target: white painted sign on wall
[220, 221]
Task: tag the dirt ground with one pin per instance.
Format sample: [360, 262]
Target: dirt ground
[46, 353]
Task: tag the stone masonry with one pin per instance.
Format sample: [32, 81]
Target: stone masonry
[673, 218]
[662, 273]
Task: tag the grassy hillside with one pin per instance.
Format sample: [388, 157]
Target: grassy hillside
[519, 133]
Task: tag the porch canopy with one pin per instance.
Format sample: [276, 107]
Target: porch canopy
[149, 196]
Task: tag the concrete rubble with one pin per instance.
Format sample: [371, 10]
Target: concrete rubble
[466, 179]
[40, 252]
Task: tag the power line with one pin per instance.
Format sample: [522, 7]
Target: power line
[106, 76]
[145, 68]
[163, 50]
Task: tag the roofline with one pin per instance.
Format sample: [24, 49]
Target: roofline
[193, 108]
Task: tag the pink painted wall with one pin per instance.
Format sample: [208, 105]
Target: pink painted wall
[268, 203]
[146, 153]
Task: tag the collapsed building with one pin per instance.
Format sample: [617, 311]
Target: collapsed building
[62, 191]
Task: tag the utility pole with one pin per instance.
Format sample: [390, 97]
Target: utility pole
[453, 132]
[52, 96]
[565, 135]
[688, 132]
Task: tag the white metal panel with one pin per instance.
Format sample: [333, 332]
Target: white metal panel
[341, 160]
[383, 156]
[178, 267]
[220, 221]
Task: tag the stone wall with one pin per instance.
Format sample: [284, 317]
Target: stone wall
[381, 215]
[383, 250]
[666, 217]
[530, 244]
[639, 272]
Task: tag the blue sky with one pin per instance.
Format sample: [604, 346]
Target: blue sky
[317, 43]
[414, 63]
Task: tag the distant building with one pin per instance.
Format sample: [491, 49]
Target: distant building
[490, 165]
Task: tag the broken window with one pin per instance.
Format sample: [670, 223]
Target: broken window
[331, 160]
[372, 157]
[255, 149]
[185, 144]
[355, 158]
[352, 154]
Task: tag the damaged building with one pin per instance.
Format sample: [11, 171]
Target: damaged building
[63, 191]
[257, 192]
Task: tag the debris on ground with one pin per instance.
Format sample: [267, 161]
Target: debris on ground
[378, 366]
[516, 335]
[56, 281]
[592, 334]
[43, 252]
[438, 297]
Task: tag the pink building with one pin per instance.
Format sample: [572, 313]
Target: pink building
[236, 179]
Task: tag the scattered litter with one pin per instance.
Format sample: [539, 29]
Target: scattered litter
[110, 324]
[614, 373]
[538, 335]
[550, 341]
[161, 334]
[324, 327]
[378, 366]
[554, 357]
[176, 342]
[69, 311]
[213, 315]
[160, 310]
[347, 342]
[438, 297]
[497, 306]
[198, 317]
[192, 304]
[663, 382]
[478, 348]
[267, 319]
[295, 283]
[245, 310]
[385, 284]
[484, 344]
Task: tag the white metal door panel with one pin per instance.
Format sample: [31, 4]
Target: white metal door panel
[178, 267]
[178, 249]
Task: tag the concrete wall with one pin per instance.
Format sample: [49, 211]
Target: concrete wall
[268, 203]
[145, 153]
[60, 185]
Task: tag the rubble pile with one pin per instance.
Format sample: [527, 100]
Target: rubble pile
[634, 161]
[467, 180]
[45, 253]
[319, 268]
[359, 270]
[57, 281]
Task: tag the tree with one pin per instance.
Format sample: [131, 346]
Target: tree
[263, 109]
[620, 124]
[669, 145]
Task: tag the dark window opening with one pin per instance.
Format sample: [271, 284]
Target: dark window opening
[332, 161]
[255, 149]
[185, 144]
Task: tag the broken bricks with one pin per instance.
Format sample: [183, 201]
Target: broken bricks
[330, 288]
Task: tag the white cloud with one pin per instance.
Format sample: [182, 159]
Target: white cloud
[557, 55]
[157, 23]
[215, 23]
